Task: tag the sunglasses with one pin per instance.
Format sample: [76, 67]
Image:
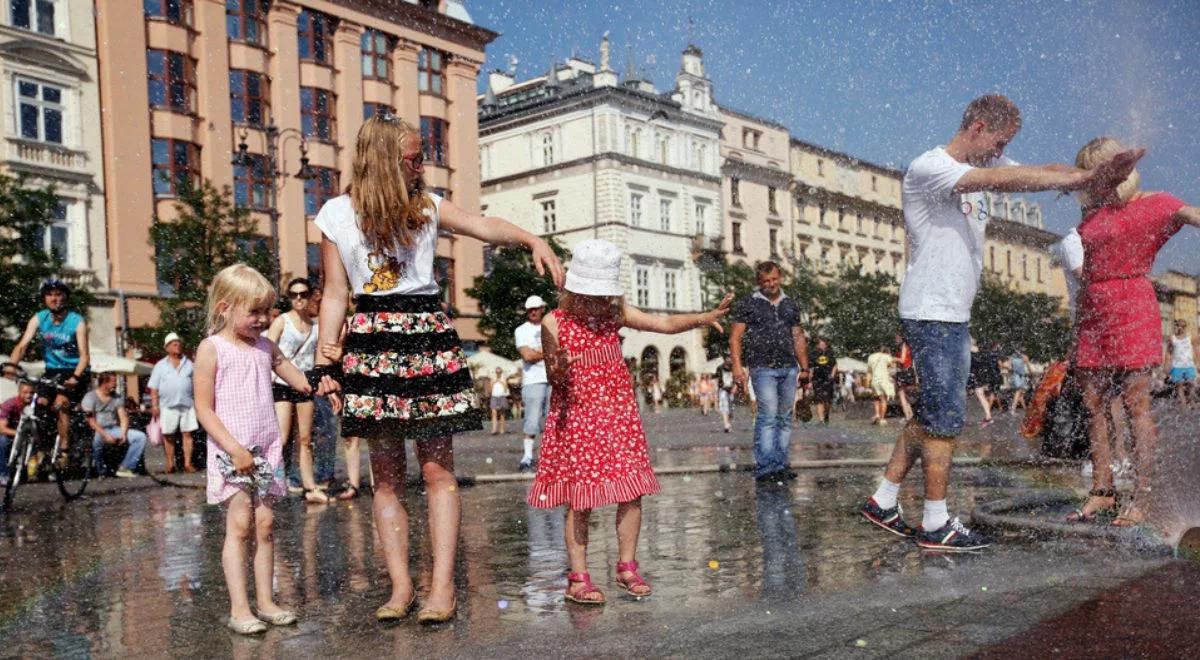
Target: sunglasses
[299, 294]
[415, 161]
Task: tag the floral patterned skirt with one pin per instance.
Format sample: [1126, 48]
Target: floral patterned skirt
[404, 371]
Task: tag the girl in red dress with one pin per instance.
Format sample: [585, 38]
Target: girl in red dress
[594, 451]
[1119, 331]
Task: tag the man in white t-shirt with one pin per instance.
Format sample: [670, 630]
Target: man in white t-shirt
[535, 387]
[946, 216]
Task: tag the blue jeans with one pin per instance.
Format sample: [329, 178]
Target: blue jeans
[942, 359]
[776, 392]
[325, 433]
[136, 445]
[5, 447]
[535, 398]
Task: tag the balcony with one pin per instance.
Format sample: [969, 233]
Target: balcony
[44, 156]
[702, 243]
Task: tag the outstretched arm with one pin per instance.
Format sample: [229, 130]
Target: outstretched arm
[497, 231]
[1190, 215]
[671, 324]
[1033, 178]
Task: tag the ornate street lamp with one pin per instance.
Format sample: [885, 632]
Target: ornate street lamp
[276, 177]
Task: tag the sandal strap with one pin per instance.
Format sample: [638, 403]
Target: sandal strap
[579, 577]
[1102, 492]
[631, 566]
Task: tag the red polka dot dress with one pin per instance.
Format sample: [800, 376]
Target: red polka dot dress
[594, 449]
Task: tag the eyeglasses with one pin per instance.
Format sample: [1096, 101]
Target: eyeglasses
[415, 161]
[299, 294]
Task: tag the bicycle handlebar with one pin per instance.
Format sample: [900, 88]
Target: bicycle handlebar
[22, 376]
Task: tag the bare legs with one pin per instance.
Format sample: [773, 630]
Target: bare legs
[935, 454]
[880, 404]
[169, 452]
[388, 463]
[304, 427]
[1098, 392]
[1135, 391]
[629, 526]
[499, 420]
[904, 404]
[353, 467]
[985, 402]
[242, 516]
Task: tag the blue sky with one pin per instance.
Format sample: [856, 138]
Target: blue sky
[887, 80]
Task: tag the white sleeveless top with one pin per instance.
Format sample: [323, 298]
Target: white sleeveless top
[296, 346]
[400, 270]
[1181, 352]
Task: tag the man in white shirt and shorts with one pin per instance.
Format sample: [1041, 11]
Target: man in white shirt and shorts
[535, 387]
[171, 401]
[946, 215]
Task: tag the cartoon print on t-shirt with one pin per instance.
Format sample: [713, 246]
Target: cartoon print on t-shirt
[386, 272]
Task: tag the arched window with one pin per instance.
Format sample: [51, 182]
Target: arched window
[649, 363]
[678, 361]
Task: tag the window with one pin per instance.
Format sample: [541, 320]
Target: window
[549, 217]
[372, 109]
[632, 137]
[1008, 262]
[800, 210]
[641, 276]
[312, 258]
[821, 215]
[36, 15]
[859, 228]
[435, 134]
[820, 167]
[56, 244]
[315, 31]
[1025, 267]
[771, 200]
[841, 221]
[737, 238]
[320, 189]
[172, 11]
[874, 183]
[670, 300]
[175, 164]
[376, 55]
[41, 109]
[635, 209]
[992, 258]
[172, 81]
[246, 21]
[664, 214]
[702, 218]
[431, 71]
[249, 97]
[547, 148]
[316, 113]
[774, 239]
[251, 182]
[735, 193]
[878, 227]
[664, 150]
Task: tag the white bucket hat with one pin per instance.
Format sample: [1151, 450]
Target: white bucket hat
[171, 336]
[595, 269]
[534, 301]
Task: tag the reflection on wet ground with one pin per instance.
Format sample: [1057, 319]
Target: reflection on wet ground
[140, 573]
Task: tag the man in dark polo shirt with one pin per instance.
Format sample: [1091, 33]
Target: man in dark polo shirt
[767, 325]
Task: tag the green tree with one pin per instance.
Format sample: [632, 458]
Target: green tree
[858, 311]
[209, 233]
[25, 213]
[1032, 323]
[722, 278]
[502, 291]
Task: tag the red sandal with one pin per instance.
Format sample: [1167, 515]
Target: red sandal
[588, 588]
[634, 581]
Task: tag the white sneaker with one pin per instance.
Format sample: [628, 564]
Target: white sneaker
[125, 474]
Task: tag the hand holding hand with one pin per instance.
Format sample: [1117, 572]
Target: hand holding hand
[328, 387]
[331, 351]
[545, 260]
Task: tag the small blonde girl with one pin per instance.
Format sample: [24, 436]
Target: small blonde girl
[234, 404]
[594, 452]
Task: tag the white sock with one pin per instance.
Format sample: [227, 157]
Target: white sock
[935, 515]
[528, 450]
[885, 496]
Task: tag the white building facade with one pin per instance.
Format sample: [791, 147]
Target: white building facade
[579, 154]
[49, 114]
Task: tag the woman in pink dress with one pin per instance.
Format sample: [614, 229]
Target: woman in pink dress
[1119, 330]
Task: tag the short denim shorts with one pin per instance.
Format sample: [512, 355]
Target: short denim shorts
[942, 359]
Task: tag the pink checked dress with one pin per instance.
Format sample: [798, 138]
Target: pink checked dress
[594, 450]
[245, 406]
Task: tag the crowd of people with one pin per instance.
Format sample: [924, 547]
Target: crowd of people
[376, 345]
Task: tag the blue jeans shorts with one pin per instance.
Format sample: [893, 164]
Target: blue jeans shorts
[942, 359]
[535, 398]
[1183, 374]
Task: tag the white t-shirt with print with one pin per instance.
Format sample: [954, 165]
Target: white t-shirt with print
[406, 270]
[946, 232]
[528, 335]
[1068, 253]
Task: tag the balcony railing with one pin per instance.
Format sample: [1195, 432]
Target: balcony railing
[42, 154]
[707, 243]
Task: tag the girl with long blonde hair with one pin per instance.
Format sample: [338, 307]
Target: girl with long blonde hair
[402, 372]
[1119, 333]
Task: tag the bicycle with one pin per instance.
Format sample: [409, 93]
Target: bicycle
[38, 431]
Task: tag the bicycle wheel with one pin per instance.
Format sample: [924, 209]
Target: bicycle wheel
[78, 464]
[18, 457]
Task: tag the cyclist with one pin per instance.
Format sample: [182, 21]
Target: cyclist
[10, 417]
[64, 336]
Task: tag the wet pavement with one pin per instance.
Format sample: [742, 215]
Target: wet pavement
[738, 568]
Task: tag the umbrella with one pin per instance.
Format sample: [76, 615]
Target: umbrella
[100, 363]
[851, 365]
[484, 364]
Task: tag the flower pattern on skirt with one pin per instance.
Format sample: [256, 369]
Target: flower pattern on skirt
[391, 406]
[401, 322]
[407, 365]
